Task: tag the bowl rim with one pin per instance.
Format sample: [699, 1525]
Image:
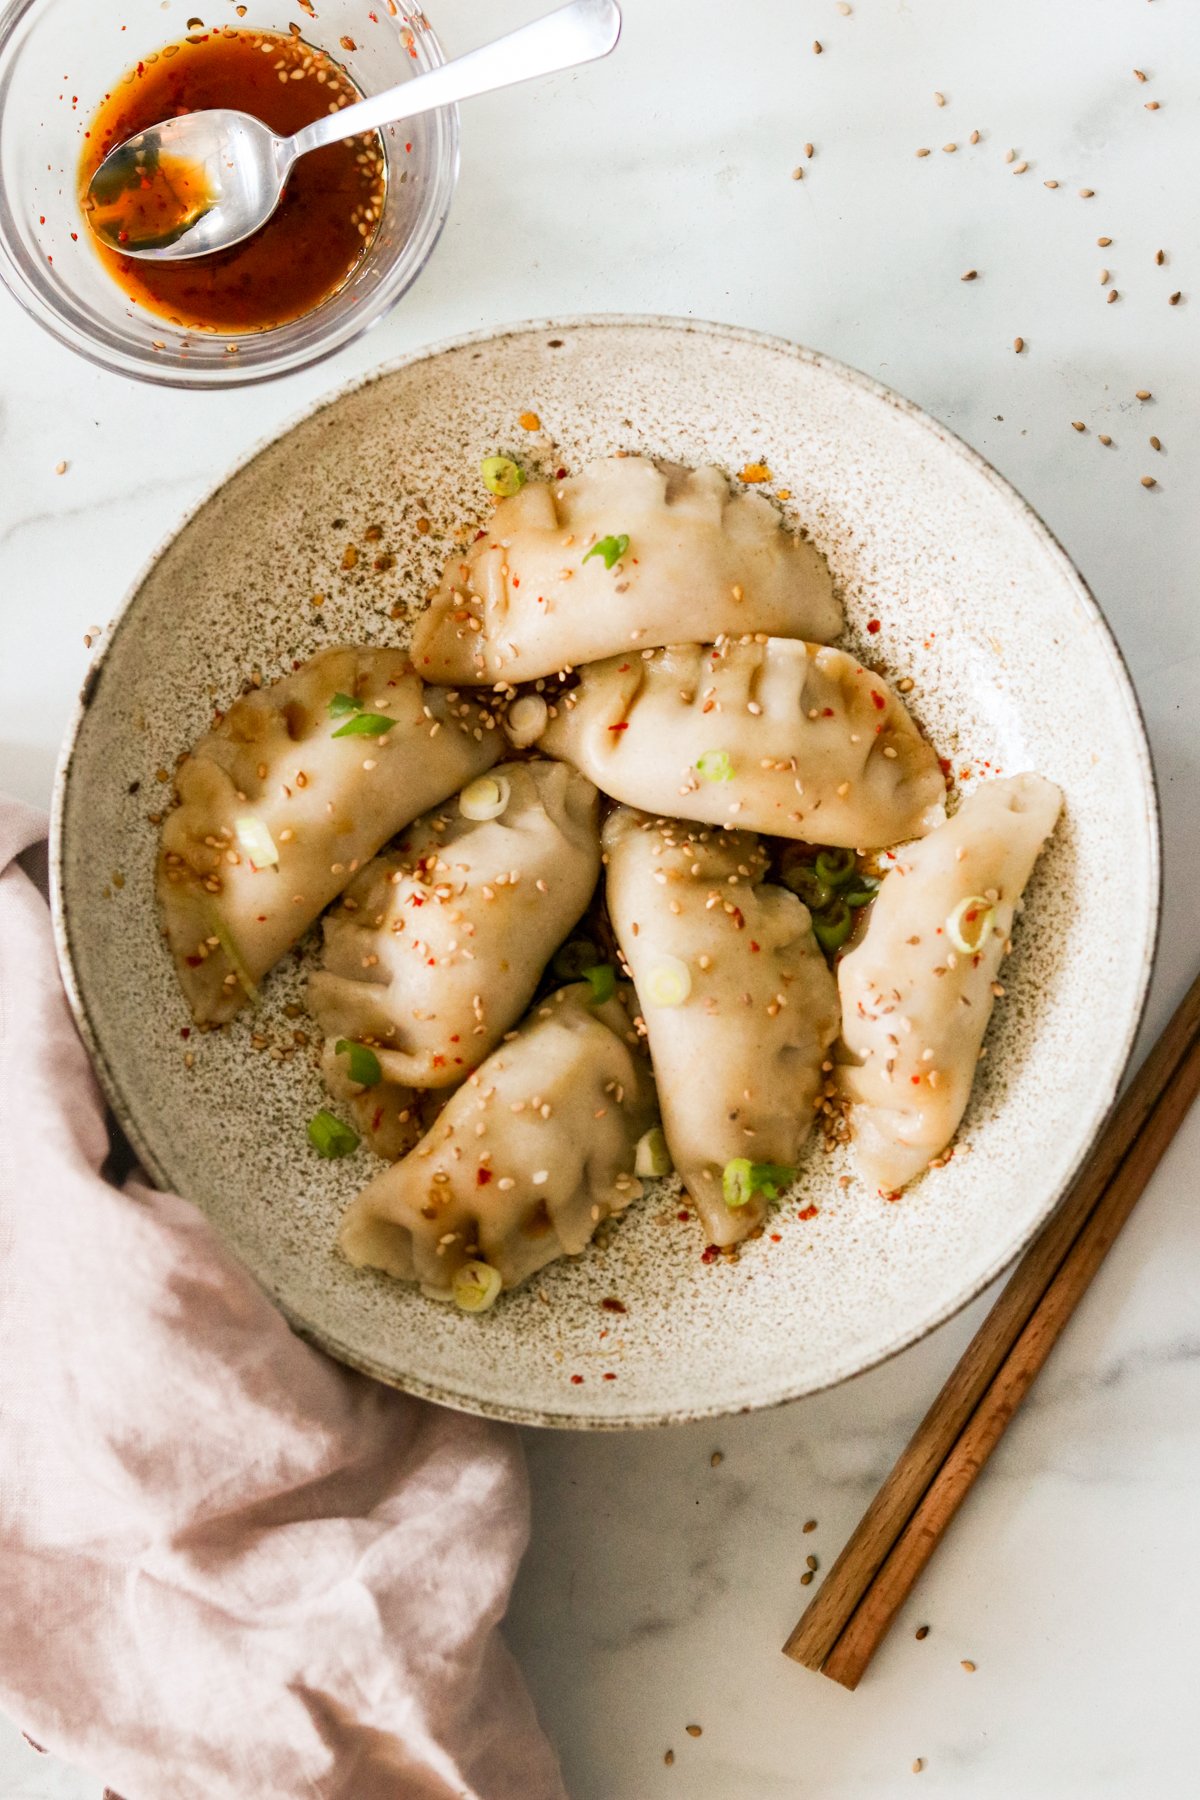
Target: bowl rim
[225, 376]
[1010, 497]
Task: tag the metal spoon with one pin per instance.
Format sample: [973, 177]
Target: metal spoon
[235, 167]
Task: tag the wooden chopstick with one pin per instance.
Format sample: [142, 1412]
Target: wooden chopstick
[881, 1560]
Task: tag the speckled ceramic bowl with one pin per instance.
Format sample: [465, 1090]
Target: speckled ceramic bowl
[1014, 669]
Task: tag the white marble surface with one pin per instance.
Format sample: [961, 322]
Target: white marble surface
[658, 1589]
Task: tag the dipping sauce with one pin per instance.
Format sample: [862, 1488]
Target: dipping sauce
[330, 208]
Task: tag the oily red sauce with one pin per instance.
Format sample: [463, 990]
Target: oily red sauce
[330, 208]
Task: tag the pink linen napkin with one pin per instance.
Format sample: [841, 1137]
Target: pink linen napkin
[229, 1568]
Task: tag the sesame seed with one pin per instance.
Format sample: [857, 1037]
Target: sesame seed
[974, 137]
[1142, 394]
[809, 1525]
[1018, 344]
[1112, 295]
[1154, 444]
[1104, 438]
[1020, 168]
[921, 1632]
[1010, 156]
[1050, 184]
[939, 99]
[918, 1764]
[693, 1730]
[808, 150]
[1104, 242]
[1138, 75]
[816, 47]
[1087, 193]
[797, 173]
[1078, 425]
[1148, 481]
[968, 1665]
[949, 148]
[806, 1578]
[922, 153]
[1152, 106]
[1175, 298]
[1104, 277]
[971, 275]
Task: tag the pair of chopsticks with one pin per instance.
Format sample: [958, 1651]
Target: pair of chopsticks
[847, 1621]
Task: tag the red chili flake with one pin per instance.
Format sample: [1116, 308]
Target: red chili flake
[624, 668]
[41, 218]
[482, 1176]
[872, 625]
[683, 1215]
[808, 1212]
[753, 945]
[377, 1118]
[739, 918]
[916, 1080]
[710, 1255]
[456, 1038]
[577, 1380]
[408, 147]
[877, 700]
[560, 474]
[827, 712]
[609, 1376]
[193, 962]
[185, 1031]
[622, 727]
[438, 1061]
[611, 1305]
[516, 580]
[945, 766]
[480, 533]
[775, 1238]
[964, 774]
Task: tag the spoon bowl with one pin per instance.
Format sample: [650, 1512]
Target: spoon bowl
[190, 186]
[207, 180]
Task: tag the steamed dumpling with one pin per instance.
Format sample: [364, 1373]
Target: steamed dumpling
[276, 811]
[738, 1057]
[527, 1157]
[391, 1117]
[523, 602]
[917, 992]
[438, 946]
[771, 735]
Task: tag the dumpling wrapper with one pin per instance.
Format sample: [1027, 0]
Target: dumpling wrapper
[438, 946]
[538, 1180]
[326, 803]
[522, 602]
[795, 739]
[735, 1079]
[914, 1009]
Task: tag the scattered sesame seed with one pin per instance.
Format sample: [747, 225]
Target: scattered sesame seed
[797, 173]
[816, 47]
[1104, 277]
[971, 275]
[1018, 344]
[1154, 444]
[922, 153]
[1104, 242]
[1160, 257]
[1020, 168]
[939, 99]
[806, 1578]
[1148, 481]
[669, 1757]
[968, 1665]
[918, 1764]
[694, 1730]
[922, 1632]
[715, 1460]
[1112, 295]
[974, 137]
[1138, 75]
[810, 1562]
[1087, 193]
[1142, 394]
[1078, 425]
[949, 148]
[1152, 106]
[1051, 184]
[1010, 156]
[808, 150]
[60, 468]
[1175, 298]
[1104, 438]
[810, 1525]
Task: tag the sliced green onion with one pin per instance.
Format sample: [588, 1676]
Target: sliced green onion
[652, 1156]
[969, 923]
[835, 867]
[576, 957]
[602, 979]
[801, 878]
[526, 719]
[669, 982]
[341, 704]
[862, 891]
[365, 724]
[742, 1179]
[502, 476]
[833, 926]
[475, 1286]
[257, 842]
[329, 1137]
[715, 765]
[225, 938]
[364, 1064]
[484, 798]
[612, 549]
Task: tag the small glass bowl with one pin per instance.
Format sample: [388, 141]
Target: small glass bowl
[58, 58]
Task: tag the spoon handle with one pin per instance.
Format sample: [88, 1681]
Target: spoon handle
[578, 33]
